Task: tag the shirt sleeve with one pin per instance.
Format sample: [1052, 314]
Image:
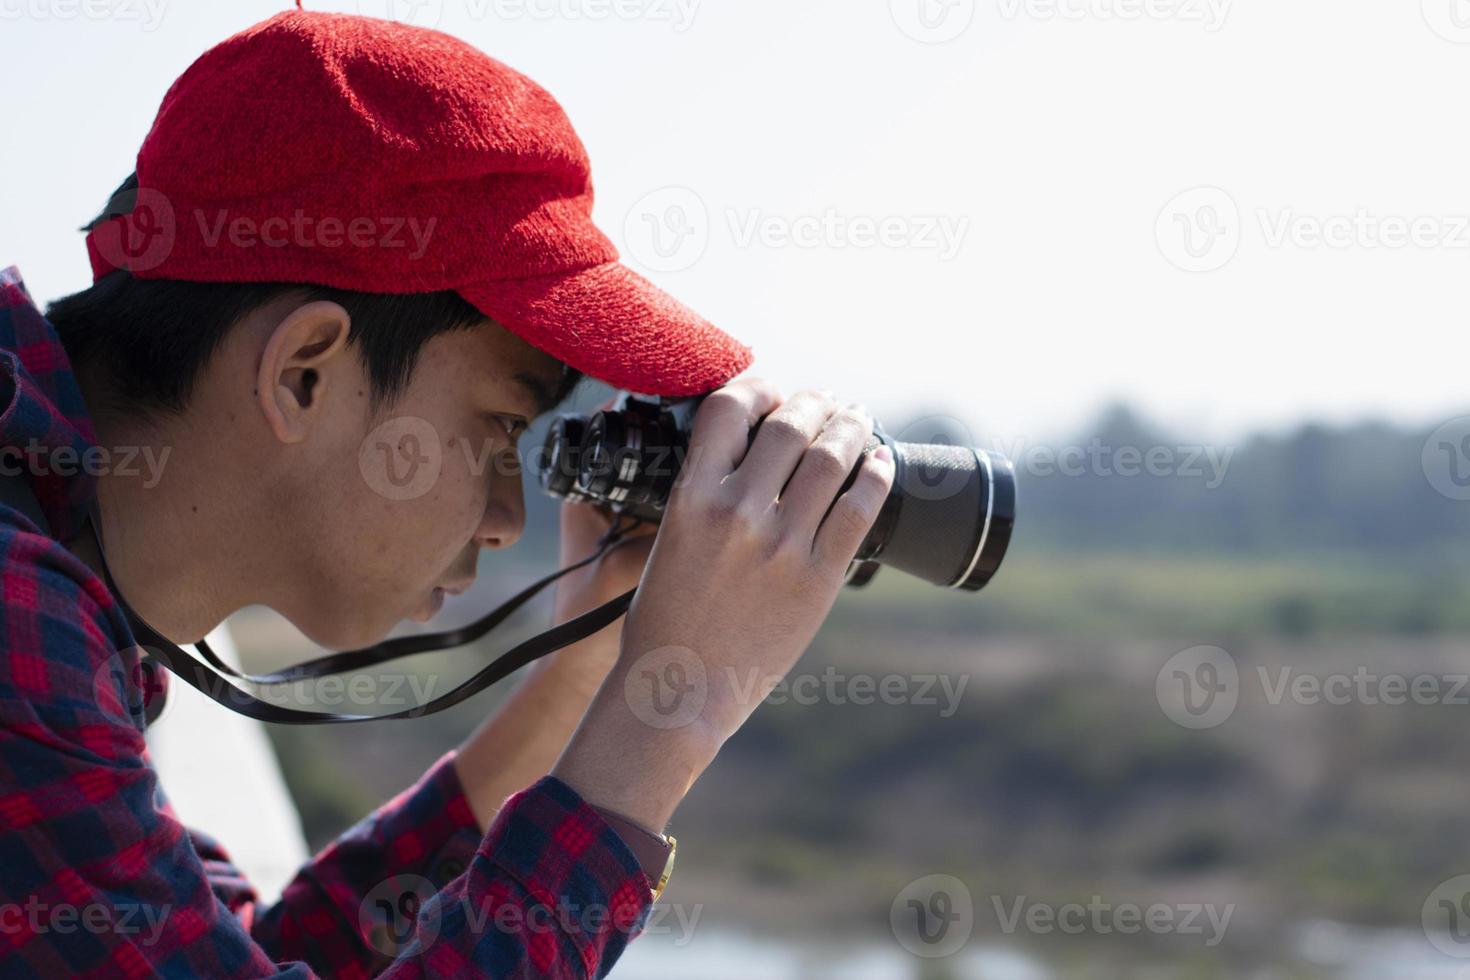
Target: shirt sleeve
[98, 877]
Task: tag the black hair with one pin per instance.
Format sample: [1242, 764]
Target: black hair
[146, 341]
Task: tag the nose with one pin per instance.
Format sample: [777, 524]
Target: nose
[505, 515]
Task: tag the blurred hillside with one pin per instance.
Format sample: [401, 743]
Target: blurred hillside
[1053, 772]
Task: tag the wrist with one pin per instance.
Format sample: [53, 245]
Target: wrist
[618, 761]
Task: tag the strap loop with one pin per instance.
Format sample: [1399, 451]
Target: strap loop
[210, 677]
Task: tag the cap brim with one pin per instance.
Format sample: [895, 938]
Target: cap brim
[614, 325]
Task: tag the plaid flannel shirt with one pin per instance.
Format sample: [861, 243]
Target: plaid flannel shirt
[99, 878]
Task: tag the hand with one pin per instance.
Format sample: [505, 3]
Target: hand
[582, 525]
[746, 566]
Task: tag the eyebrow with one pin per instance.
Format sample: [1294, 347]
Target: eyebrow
[542, 395]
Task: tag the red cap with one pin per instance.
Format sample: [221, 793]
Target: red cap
[375, 156]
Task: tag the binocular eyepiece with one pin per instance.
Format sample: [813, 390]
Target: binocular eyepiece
[947, 519]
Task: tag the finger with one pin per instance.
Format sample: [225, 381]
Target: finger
[823, 469]
[854, 511]
[782, 439]
[722, 429]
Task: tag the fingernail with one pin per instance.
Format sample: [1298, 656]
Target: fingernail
[884, 453]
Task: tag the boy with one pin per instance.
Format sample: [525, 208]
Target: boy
[351, 248]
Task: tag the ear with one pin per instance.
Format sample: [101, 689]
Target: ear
[290, 383]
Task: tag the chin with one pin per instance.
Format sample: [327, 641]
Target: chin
[353, 634]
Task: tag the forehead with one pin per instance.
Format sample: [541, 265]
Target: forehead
[514, 368]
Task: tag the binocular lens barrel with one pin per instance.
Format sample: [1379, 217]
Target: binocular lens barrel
[947, 519]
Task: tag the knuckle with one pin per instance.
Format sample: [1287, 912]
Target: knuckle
[853, 516]
[733, 518]
[852, 422]
[827, 459]
[785, 429]
[720, 511]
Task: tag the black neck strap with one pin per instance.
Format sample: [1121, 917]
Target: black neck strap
[211, 678]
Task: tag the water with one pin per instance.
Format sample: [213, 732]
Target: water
[735, 956]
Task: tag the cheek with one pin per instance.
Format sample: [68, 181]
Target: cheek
[457, 504]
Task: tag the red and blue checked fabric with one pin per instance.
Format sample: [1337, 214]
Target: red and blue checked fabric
[99, 879]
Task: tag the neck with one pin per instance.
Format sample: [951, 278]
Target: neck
[163, 531]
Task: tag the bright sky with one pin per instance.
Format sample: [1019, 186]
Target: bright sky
[971, 205]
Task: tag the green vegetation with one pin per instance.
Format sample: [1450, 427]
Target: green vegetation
[1057, 775]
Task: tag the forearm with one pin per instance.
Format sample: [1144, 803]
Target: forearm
[522, 741]
[619, 762]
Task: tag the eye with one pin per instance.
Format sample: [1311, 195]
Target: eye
[514, 425]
